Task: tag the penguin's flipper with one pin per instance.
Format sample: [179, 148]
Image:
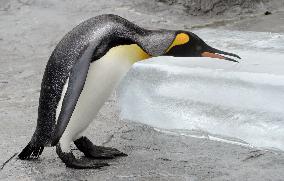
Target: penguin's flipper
[76, 83]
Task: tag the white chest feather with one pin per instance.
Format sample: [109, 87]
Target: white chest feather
[103, 76]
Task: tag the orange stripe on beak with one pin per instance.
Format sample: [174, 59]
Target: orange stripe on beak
[212, 55]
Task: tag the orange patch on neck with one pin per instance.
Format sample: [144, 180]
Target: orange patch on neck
[180, 39]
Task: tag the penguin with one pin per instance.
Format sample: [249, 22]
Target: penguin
[83, 70]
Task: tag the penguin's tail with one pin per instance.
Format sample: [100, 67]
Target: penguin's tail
[31, 152]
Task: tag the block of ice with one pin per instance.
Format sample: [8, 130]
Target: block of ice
[244, 100]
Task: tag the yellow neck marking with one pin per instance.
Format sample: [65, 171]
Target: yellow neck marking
[130, 53]
[180, 39]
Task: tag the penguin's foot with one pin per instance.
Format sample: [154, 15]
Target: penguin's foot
[97, 152]
[72, 162]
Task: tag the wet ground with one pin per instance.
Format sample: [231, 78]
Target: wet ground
[28, 34]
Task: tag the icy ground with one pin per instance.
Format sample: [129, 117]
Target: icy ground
[209, 98]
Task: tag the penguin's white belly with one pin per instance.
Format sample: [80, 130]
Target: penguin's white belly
[103, 76]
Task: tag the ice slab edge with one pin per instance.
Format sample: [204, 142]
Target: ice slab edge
[244, 101]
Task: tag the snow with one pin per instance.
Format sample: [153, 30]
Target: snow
[220, 100]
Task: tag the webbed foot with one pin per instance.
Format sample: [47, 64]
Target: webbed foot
[72, 162]
[97, 152]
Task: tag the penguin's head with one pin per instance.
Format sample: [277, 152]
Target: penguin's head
[187, 44]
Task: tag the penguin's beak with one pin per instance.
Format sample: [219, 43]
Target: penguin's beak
[215, 53]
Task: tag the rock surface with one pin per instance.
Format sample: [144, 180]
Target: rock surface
[228, 7]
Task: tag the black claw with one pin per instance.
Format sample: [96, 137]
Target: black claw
[122, 154]
[97, 152]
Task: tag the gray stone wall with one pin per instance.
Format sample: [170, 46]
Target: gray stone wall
[218, 7]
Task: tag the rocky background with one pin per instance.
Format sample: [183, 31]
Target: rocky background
[223, 7]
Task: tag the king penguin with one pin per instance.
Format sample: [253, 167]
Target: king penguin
[83, 70]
